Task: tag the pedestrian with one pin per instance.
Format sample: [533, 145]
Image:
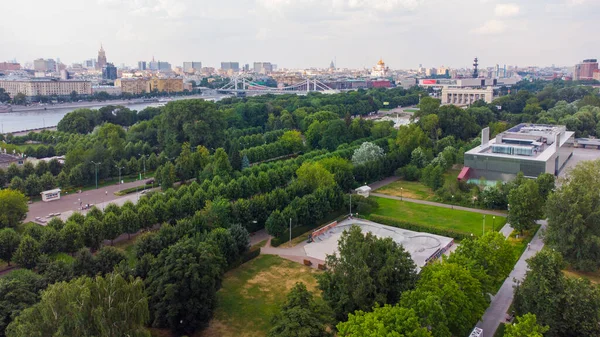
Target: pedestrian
[528, 246]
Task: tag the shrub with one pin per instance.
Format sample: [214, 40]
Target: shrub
[409, 172]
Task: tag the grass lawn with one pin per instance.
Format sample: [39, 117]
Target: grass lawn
[415, 189]
[463, 221]
[251, 294]
[520, 243]
[594, 277]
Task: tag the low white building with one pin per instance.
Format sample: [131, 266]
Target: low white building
[466, 96]
[51, 195]
[363, 191]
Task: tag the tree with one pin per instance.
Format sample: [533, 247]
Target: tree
[107, 258]
[313, 175]
[546, 185]
[525, 325]
[300, 315]
[33, 186]
[386, 321]
[489, 258]
[241, 237]
[129, 221]
[13, 207]
[9, 242]
[276, 223]
[103, 306]
[92, 233]
[245, 162]
[19, 99]
[51, 242]
[367, 152]
[221, 164]
[47, 181]
[4, 96]
[72, 236]
[526, 206]
[368, 270]
[292, 140]
[28, 252]
[84, 264]
[146, 217]
[18, 291]
[571, 307]
[111, 226]
[440, 291]
[573, 212]
[167, 176]
[182, 285]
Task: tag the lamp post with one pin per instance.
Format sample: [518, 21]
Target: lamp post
[350, 203]
[494, 223]
[144, 161]
[96, 164]
[290, 231]
[483, 225]
[401, 193]
[452, 201]
[119, 168]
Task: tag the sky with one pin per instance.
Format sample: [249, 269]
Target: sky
[304, 33]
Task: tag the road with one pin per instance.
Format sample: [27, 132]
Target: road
[70, 202]
[496, 312]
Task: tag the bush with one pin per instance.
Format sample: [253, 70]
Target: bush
[409, 172]
[247, 256]
[419, 227]
[134, 189]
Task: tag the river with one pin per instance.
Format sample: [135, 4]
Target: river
[27, 120]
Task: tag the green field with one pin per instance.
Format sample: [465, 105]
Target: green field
[251, 294]
[415, 189]
[463, 221]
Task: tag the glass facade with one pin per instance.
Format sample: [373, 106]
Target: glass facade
[530, 168]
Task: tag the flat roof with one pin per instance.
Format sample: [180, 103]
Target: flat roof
[534, 134]
[56, 190]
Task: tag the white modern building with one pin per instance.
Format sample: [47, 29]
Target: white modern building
[466, 96]
[529, 148]
[51, 195]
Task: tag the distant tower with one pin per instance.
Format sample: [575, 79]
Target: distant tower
[101, 58]
[475, 71]
[332, 65]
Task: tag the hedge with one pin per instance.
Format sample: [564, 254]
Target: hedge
[135, 189]
[419, 227]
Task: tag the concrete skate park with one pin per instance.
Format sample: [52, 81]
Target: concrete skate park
[421, 246]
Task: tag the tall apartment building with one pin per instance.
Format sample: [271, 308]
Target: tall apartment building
[263, 67]
[46, 87]
[164, 66]
[233, 66]
[89, 64]
[139, 85]
[585, 70]
[133, 86]
[142, 65]
[109, 72]
[192, 67]
[44, 65]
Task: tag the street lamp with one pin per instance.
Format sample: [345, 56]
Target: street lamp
[120, 168]
[483, 225]
[96, 164]
[494, 223]
[452, 201]
[144, 161]
[401, 192]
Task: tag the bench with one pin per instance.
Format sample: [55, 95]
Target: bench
[307, 263]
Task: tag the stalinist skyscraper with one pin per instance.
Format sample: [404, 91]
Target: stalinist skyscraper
[101, 58]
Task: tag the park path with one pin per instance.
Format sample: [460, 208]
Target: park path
[438, 204]
[496, 312]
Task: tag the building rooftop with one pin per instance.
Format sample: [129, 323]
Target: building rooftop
[8, 158]
[523, 141]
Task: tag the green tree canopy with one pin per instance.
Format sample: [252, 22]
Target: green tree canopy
[27, 253]
[300, 315]
[13, 207]
[104, 306]
[525, 325]
[18, 291]
[386, 321]
[574, 217]
[9, 242]
[313, 175]
[526, 206]
[368, 270]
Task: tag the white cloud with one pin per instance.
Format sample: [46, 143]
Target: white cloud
[491, 27]
[335, 7]
[506, 10]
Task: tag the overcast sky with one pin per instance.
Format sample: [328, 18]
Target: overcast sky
[304, 33]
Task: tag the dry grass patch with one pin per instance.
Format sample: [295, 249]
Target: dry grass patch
[252, 293]
[594, 277]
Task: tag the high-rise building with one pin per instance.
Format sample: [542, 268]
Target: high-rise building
[46, 87]
[142, 65]
[89, 64]
[233, 66]
[164, 66]
[246, 67]
[263, 67]
[44, 65]
[101, 58]
[153, 65]
[5, 66]
[109, 72]
[585, 70]
[191, 67]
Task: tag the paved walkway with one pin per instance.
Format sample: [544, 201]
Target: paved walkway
[70, 202]
[438, 204]
[496, 312]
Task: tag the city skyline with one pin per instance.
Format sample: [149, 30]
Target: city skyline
[306, 33]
